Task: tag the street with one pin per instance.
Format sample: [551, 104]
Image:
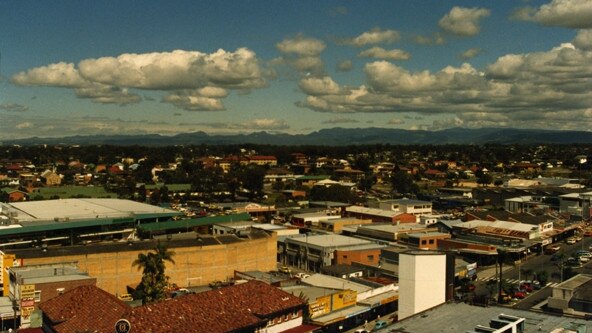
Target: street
[533, 264]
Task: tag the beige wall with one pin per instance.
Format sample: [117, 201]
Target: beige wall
[193, 265]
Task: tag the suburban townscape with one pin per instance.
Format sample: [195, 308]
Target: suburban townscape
[278, 166]
[295, 239]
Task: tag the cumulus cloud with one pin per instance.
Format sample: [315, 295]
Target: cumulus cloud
[345, 66]
[583, 40]
[319, 86]
[471, 53]
[380, 53]
[263, 124]
[533, 89]
[575, 14]
[372, 37]
[463, 21]
[396, 121]
[108, 79]
[435, 39]
[340, 120]
[302, 54]
[13, 107]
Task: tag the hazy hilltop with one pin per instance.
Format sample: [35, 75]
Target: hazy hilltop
[333, 137]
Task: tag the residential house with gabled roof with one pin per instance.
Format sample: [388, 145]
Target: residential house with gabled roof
[50, 178]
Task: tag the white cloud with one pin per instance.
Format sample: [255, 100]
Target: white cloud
[532, 89]
[340, 120]
[263, 124]
[575, 14]
[302, 54]
[107, 80]
[301, 46]
[583, 40]
[380, 53]
[56, 75]
[396, 121]
[471, 53]
[13, 107]
[316, 86]
[463, 21]
[345, 66]
[373, 37]
[436, 39]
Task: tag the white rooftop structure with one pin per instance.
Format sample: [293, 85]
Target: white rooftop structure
[80, 209]
[499, 224]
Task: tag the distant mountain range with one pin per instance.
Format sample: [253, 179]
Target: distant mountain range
[331, 137]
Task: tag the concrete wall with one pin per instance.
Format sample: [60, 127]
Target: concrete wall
[195, 265]
[422, 282]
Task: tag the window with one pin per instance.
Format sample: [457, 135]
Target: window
[431, 241]
[37, 296]
[371, 257]
[423, 242]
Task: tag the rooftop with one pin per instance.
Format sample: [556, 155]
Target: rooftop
[461, 317]
[82, 209]
[330, 240]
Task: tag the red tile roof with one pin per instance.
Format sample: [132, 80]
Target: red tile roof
[238, 307]
[222, 310]
[86, 308]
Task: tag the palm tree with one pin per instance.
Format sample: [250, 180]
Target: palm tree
[154, 281]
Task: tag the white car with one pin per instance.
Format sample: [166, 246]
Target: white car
[302, 275]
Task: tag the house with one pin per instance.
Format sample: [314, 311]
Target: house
[263, 160]
[415, 207]
[15, 195]
[50, 178]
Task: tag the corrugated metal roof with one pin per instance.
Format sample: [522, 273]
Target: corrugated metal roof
[189, 223]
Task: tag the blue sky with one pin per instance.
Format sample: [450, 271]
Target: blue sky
[132, 67]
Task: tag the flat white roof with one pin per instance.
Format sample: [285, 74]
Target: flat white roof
[330, 240]
[498, 224]
[48, 210]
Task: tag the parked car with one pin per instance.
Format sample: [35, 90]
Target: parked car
[517, 293]
[361, 330]
[126, 297]
[536, 285]
[551, 249]
[302, 275]
[526, 286]
[571, 261]
[380, 324]
[285, 269]
[570, 240]
[504, 298]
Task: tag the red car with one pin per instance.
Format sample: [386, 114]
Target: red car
[519, 294]
[526, 287]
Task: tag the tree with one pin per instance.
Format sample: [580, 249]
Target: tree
[403, 183]
[154, 281]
